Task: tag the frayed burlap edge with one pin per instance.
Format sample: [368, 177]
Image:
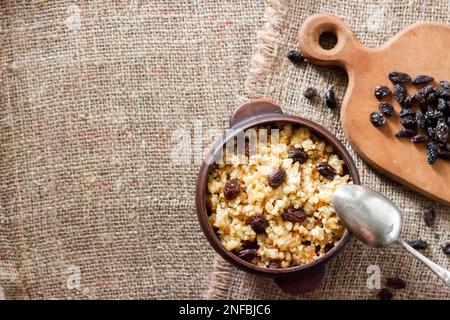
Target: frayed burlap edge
[262, 65]
[220, 280]
[264, 60]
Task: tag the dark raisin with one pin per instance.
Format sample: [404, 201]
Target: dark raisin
[443, 90]
[385, 294]
[345, 171]
[420, 119]
[293, 215]
[274, 264]
[259, 224]
[328, 247]
[409, 101]
[441, 131]
[431, 99]
[441, 104]
[409, 121]
[209, 211]
[444, 84]
[421, 79]
[429, 216]
[386, 109]
[276, 177]
[306, 243]
[444, 154]
[425, 91]
[404, 112]
[377, 119]
[330, 99]
[419, 138]
[248, 254]
[381, 92]
[446, 248]
[432, 153]
[431, 132]
[298, 155]
[399, 77]
[396, 283]
[247, 244]
[405, 133]
[326, 170]
[310, 93]
[421, 100]
[232, 189]
[424, 108]
[399, 93]
[418, 244]
[295, 56]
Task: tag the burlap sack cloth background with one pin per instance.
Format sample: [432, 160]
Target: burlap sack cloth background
[92, 205]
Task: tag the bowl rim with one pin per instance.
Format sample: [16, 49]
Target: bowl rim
[202, 180]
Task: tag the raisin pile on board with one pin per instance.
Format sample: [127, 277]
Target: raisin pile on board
[424, 115]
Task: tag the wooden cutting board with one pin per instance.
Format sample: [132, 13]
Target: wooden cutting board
[422, 48]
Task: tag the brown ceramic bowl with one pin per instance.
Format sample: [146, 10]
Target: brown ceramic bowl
[298, 279]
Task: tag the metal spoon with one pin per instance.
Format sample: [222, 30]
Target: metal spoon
[375, 220]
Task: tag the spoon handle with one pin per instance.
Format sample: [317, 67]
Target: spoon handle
[442, 273]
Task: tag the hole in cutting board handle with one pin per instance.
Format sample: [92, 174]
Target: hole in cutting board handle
[328, 40]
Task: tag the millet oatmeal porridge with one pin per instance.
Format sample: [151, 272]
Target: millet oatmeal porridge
[275, 209]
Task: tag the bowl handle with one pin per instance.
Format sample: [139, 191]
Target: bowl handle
[253, 108]
[305, 281]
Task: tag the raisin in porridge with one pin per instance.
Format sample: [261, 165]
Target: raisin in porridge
[275, 210]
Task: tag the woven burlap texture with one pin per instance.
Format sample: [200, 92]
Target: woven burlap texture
[273, 76]
[91, 92]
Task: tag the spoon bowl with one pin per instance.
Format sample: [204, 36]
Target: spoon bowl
[368, 215]
[375, 220]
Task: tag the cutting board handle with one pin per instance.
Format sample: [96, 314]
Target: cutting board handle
[342, 54]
